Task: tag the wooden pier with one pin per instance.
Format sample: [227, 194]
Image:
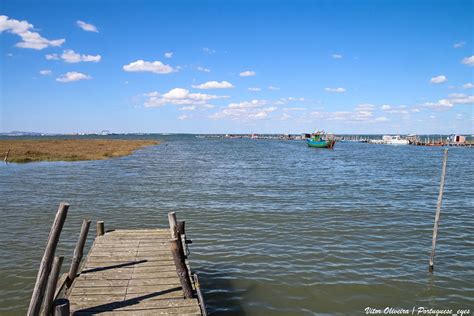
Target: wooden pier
[126, 272]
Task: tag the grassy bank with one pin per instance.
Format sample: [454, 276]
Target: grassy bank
[69, 149]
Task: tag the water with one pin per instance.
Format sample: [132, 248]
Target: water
[278, 228]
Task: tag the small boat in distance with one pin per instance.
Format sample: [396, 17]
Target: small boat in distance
[321, 140]
[394, 140]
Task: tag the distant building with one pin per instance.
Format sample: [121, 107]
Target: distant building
[457, 139]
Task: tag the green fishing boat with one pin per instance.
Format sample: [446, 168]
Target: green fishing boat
[320, 140]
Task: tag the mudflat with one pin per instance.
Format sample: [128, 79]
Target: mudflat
[69, 149]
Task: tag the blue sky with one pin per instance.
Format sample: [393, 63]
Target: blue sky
[237, 66]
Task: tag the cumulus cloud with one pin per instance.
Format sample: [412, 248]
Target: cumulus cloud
[69, 56]
[188, 108]
[203, 69]
[29, 38]
[337, 56]
[449, 102]
[245, 110]
[438, 79]
[247, 73]
[273, 88]
[156, 67]
[381, 119]
[73, 76]
[335, 90]
[169, 54]
[468, 85]
[179, 96]
[87, 26]
[183, 117]
[385, 107]
[468, 60]
[214, 85]
[254, 89]
[459, 44]
[45, 72]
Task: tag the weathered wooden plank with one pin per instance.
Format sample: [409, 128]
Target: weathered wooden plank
[88, 291]
[179, 310]
[131, 304]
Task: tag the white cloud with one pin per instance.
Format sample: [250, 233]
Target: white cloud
[214, 85]
[381, 119]
[73, 76]
[254, 89]
[87, 26]
[45, 72]
[156, 67]
[247, 73]
[337, 56]
[468, 85]
[336, 90]
[208, 50]
[449, 102]
[52, 57]
[438, 79]
[29, 38]
[273, 88]
[295, 99]
[295, 109]
[459, 44]
[169, 54]
[385, 107]
[245, 110]
[188, 108]
[179, 96]
[203, 69]
[468, 61]
[69, 56]
[183, 117]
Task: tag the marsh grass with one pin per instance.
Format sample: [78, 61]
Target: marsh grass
[69, 149]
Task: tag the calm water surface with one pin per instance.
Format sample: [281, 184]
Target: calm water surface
[278, 228]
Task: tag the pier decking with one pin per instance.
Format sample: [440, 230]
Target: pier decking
[126, 272]
[130, 272]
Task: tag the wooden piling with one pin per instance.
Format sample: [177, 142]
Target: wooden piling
[78, 251]
[6, 156]
[181, 268]
[61, 307]
[51, 287]
[47, 260]
[100, 227]
[173, 223]
[180, 227]
[438, 210]
[199, 294]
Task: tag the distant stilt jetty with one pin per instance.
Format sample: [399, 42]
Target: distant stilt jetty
[134, 272]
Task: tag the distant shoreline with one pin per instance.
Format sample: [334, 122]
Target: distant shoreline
[23, 151]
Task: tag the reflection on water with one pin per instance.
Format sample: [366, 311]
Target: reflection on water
[278, 228]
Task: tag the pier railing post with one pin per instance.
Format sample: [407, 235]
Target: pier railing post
[100, 228]
[173, 223]
[181, 269]
[61, 307]
[51, 287]
[438, 211]
[200, 296]
[47, 260]
[78, 251]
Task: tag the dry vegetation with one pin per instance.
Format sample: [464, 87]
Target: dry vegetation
[69, 149]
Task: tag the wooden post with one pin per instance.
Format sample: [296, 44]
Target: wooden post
[45, 266]
[100, 228]
[180, 227]
[78, 251]
[173, 223]
[51, 288]
[6, 156]
[61, 307]
[199, 294]
[438, 210]
[181, 268]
